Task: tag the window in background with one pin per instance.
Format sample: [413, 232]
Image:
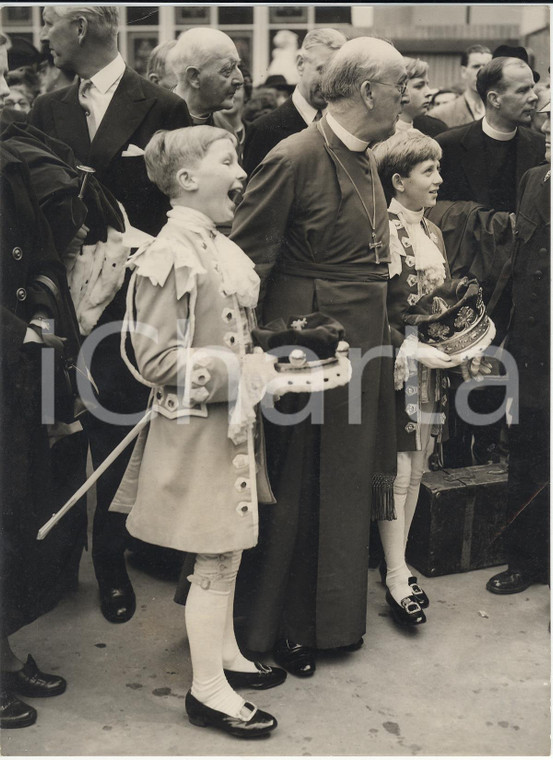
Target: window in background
[140, 45]
[330, 14]
[235, 15]
[288, 14]
[243, 42]
[144, 15]
[192, 15]
[11, 16]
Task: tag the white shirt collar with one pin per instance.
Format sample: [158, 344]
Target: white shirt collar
[110, 74]
[495, 134]
[305, 109]
[411, 217]
[350, 141]
[403, 126]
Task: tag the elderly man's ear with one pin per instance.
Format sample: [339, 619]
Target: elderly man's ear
[186, 180]
[367, 95]
[192, 77]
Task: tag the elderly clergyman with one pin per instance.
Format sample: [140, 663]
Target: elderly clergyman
[314, 221]
[205, 62]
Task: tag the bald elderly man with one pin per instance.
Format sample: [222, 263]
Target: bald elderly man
[205, 62]
[314, 221]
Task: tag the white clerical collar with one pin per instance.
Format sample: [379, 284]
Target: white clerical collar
[351, 142]
[495, 134]
[110, 74]
[305, 109]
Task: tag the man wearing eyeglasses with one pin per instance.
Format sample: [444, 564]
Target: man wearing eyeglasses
[314, 221]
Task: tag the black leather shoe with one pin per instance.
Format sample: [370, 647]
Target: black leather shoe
[258, 723]
[31, 682]
[118, 604]
[511, 582]
[265, 678]
[418, 593]
[14, 713]
[295, 658]
[406, 613]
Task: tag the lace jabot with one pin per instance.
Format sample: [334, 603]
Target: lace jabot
[183, 244]
[428, 256]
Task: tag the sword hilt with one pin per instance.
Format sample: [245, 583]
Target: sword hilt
[85, 172]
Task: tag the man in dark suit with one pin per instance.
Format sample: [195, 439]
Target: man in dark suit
[107, 117]
[529, 288]
[484, 162]
[304, 106]
[123, 113]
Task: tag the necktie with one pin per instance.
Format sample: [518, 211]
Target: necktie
[85, 103]
[318, 115]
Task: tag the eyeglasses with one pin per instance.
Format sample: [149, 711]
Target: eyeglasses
[400, 86]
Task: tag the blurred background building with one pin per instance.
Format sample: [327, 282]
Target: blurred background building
[437, 33]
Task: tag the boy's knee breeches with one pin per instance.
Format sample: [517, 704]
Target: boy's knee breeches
[216, 572]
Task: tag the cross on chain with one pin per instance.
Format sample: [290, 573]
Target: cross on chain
[375, 245]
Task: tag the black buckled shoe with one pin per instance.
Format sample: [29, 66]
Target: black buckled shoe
[511, 581]
[14, 713]
[31, 682]
[265, 678]
[295, 658]
[118, 604]
[257, 723]
[418, 593]
[408, 612]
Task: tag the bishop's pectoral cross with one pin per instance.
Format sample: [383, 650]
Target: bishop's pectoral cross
[374, 245]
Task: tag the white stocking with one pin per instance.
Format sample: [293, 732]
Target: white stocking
[233, 659]
[392, 532]
[419, 461]
[206, 619]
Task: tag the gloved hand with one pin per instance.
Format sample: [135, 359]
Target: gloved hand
[432, 357]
